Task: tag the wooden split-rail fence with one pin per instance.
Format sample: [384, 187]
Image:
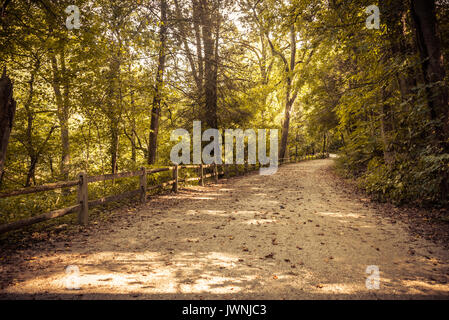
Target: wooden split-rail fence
[84, 204]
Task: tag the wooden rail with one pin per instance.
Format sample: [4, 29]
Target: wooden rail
[43, 217]
[45, 187]
[82, 208]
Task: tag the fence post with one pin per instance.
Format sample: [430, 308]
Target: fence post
[83, 198]
[226, 170]
[201, 175]
[246, 166]
[216, 173]
[143, 185]
[175, 177]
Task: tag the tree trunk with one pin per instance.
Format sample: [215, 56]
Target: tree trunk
[114, 146]
[7, 112]
[29, 143]
[31, 171]
[210, 65]
[62, 112]
[324, 142]
[60, 80]
[65, 143]
[285, 129]
[133, 128]
[289, 96]
[156, 110]
[113, 112]
[199, 47]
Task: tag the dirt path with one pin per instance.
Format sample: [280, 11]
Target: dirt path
[292, 235]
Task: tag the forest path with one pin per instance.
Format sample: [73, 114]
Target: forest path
[294, 235]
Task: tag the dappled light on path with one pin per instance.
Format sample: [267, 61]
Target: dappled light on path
[300, 238]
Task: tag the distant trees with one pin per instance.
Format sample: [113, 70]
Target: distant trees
[432, 63]
[106, 96]
[391, 99]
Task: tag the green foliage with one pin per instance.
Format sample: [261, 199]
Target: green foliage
[360, 92]
[415, 182]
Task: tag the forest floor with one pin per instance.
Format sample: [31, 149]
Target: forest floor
[301, 233]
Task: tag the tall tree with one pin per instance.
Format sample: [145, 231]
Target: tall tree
[159, 85]
[62, 102]
[206, 10]
[7, 112]
[291, 92]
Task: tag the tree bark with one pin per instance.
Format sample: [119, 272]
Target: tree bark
[113, 112]
[133, 128]
[114, 146]
[7, 112]
[62, 103]
[324, 142]
[156, 110]
[199, 47]
[210, 64]
[29, 143]
[285, 128]
[289, 96]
